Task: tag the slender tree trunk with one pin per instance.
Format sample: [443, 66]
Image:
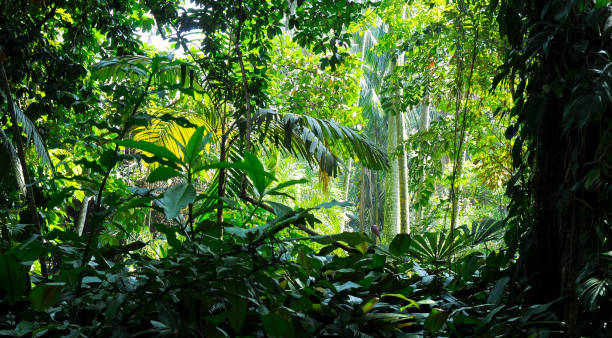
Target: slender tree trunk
[222, 179]
[402, 176]
[373, 213]
[347, 181]
[423, 126]
[362, 200]
[456, 192]
[392, 201]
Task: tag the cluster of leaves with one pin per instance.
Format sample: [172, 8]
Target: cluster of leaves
[255, 282]
[559, 67]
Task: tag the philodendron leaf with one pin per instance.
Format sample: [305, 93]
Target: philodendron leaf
[176, 198]
[400, 244]
[162, 174]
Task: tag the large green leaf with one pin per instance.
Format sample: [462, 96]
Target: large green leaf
[162, 174]
[14, 278]
[195, 145]
[35, 137]
[176, 198]
[237, 312]
[435, 320]
[275, 325]
[496, 294]
[151, 148]
[45, 295]
[400, 244]
[320, 141]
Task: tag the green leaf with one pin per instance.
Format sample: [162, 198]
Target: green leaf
[346, 286]
[195, 145]
[151, 148]
[255, 170]
[400, 296]
[370, 304]
[14, 278]
[286, 184]
[435, 320]
[170, 234]
[162, 174]
[237, 312]
[351, 238]
[176, 198]
[497, 292]
[400, 244]
[275, 325]
[45, 295]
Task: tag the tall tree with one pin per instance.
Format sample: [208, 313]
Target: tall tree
[561, 197]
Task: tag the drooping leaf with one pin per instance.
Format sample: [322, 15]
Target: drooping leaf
[35, 137]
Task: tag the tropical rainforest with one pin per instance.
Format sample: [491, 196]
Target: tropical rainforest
[302, 168]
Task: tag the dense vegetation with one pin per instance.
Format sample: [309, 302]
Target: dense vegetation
[305, 168]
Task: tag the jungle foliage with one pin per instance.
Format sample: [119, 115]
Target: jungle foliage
[233, 185]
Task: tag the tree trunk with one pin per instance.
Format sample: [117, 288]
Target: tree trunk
[423, 126]
[404, 227]
[392, 201]
[373, 213]
[347, 181]
[362, 200]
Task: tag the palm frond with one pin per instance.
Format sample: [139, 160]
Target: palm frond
[317, 140]
[133, 67]
[10, 149]
[34, 136]
[484, 231]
